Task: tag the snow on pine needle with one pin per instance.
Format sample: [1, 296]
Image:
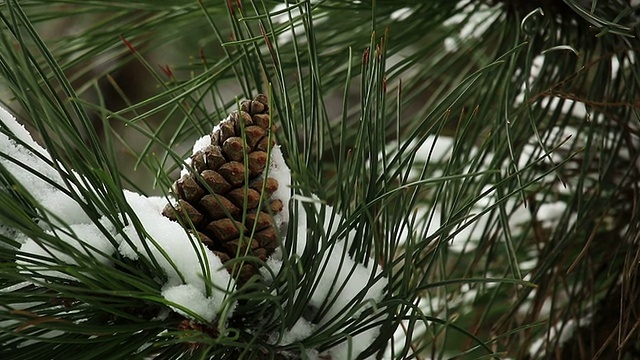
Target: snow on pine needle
[210, 195]
[195, 283]
[32, 170]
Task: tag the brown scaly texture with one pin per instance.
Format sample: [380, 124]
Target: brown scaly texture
[225, 185]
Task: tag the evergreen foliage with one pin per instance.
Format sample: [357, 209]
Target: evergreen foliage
[474, 161]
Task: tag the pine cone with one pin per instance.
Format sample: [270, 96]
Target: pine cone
[224, 184]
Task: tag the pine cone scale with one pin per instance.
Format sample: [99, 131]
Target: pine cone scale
[216, 182]
[218, 207]
[233, 172]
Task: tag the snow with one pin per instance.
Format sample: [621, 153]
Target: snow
[551, 213]
[475, 21]
[191, 260]
[471, 231]
[339, 283]
[401, 336]
[562, 330]
[534, 72]
[342, 280]
[279, 171]
[69, 225]
[272, 268]
[19, 132]
[34, 173]
[353, 346]
[425, 222]
[290, 14]
[434, 149]
[202, 143]
[10, 233]
[59, 207]
[191, 297]
[87, 239]
[62, 206]
[530, 264]
[301, 228]
[196, 282]
[402, 14]
[301, 330]
[575, 108]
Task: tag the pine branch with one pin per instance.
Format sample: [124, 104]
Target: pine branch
[459, 185]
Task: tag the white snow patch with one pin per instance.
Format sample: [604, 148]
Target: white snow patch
[528, 265]
[551, 213]
[20, 132]
[615, 67]
[296, 28]
[534, 72]
[561, 330]
[301, 330]
[426, 223]
[192, 298]
[87, 239]
[279, 171]
[191, 258]
[469, 237]
[13, 234]
[402, 13]
[401, 337]
[65, 209]
[434, 149]
[341, 281]
[201, 143]
[186, 284]
[30, 171]
[475, 21]
[353, 346]
[519, 216]
[270, 269]
[34, 173]
[575, 108]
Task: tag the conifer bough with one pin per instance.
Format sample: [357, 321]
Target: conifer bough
[224, 194]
